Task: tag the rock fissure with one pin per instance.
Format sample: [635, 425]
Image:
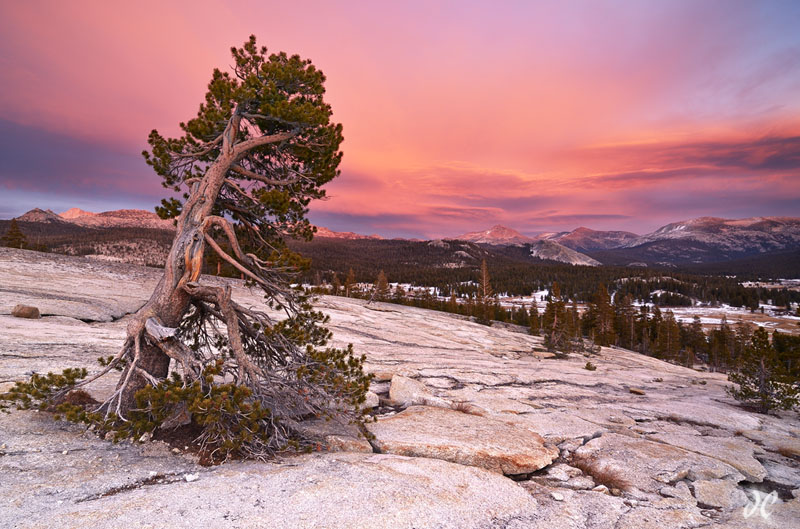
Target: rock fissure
[158, 479]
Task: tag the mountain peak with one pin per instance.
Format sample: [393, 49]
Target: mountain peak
[40, 215]
[73, 213]
[498, 235]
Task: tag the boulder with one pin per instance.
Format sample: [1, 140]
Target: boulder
[335, 436]
[680, 490]
[648, 465]
[25, 311]
[719, 493]
[372, 400]
[775, 440]
[408, 392]
[781, 475]
[736, 452]
[556, 426]
[441, 433]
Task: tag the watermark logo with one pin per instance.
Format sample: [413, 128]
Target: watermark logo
[760, 504]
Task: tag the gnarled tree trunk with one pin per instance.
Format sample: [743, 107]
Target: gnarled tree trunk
[151, 342]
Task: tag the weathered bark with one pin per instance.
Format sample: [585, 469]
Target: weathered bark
[170, 301]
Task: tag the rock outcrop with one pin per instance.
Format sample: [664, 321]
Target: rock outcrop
[25, 311]
[683, 454]
[459, 437]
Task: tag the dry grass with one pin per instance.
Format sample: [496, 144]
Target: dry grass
[79, 397]
[464, 406]
[602, 474]
[788, 451]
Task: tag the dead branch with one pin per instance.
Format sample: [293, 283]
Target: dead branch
[261, 178]
[234, 262]
[248, 145]
[206, 149]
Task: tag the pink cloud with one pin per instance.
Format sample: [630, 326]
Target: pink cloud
[455, 115]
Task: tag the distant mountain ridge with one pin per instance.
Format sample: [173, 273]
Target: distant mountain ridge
[755, 234]
[330, 234]
[694, 241]
[119, 218]
[703, 240]
[585, 239]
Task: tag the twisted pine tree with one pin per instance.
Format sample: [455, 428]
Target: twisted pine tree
[259, 150]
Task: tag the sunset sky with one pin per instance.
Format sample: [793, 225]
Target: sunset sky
[457, 115]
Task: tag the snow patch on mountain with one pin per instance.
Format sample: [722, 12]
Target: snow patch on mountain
[552, 251]
[751, 235]
[588, 239]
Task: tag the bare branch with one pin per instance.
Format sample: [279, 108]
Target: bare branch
[211, 242]
[248, 145]
[207, 148]
[244, 194]
[261, 178]
[229, 233]
[251, 116]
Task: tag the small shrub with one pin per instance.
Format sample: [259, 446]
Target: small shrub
[38, 391]
[230, 422]
[78, 397]
[590, 367]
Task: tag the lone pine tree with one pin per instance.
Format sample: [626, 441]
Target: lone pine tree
[259, 150]
[14, 238]
[382, 290]
[763, 381]
[485, 296]
[554, 322]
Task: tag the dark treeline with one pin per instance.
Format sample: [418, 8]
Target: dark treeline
[770, 266]
[604, 322]
[46, 237]
[454, 266]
